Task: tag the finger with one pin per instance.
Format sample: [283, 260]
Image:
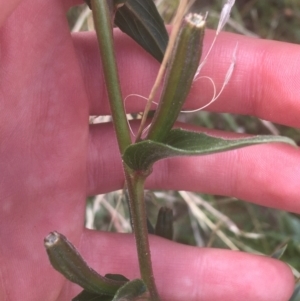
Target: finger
[264, 83]
[266, 174]
[189, 273]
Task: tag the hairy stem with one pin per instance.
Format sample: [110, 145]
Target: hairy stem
[135, 184]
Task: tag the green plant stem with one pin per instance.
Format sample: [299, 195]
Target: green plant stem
[135, 184]
[104, 32]
[134, 180]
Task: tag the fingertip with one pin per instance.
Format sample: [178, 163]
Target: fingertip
[190, 273]
[213, 275]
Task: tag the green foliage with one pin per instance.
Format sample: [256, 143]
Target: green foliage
[141, 21]
[141, 155]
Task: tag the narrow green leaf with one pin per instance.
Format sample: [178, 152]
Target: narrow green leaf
[131, 291]
[142, 22]
[87, 296]
[141, 155]
[164, 223]
[279, 252]
[296, 294]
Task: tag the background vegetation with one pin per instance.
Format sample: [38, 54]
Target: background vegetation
[205, 220]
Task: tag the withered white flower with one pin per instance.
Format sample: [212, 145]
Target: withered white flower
[225, 14]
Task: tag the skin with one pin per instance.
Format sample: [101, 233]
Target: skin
[50, 159]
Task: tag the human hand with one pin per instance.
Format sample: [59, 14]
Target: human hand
[50, 82]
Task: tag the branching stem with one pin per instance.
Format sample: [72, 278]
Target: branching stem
[134, 180]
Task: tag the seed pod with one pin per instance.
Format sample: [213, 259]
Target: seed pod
[66, 260]
[182, 67]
